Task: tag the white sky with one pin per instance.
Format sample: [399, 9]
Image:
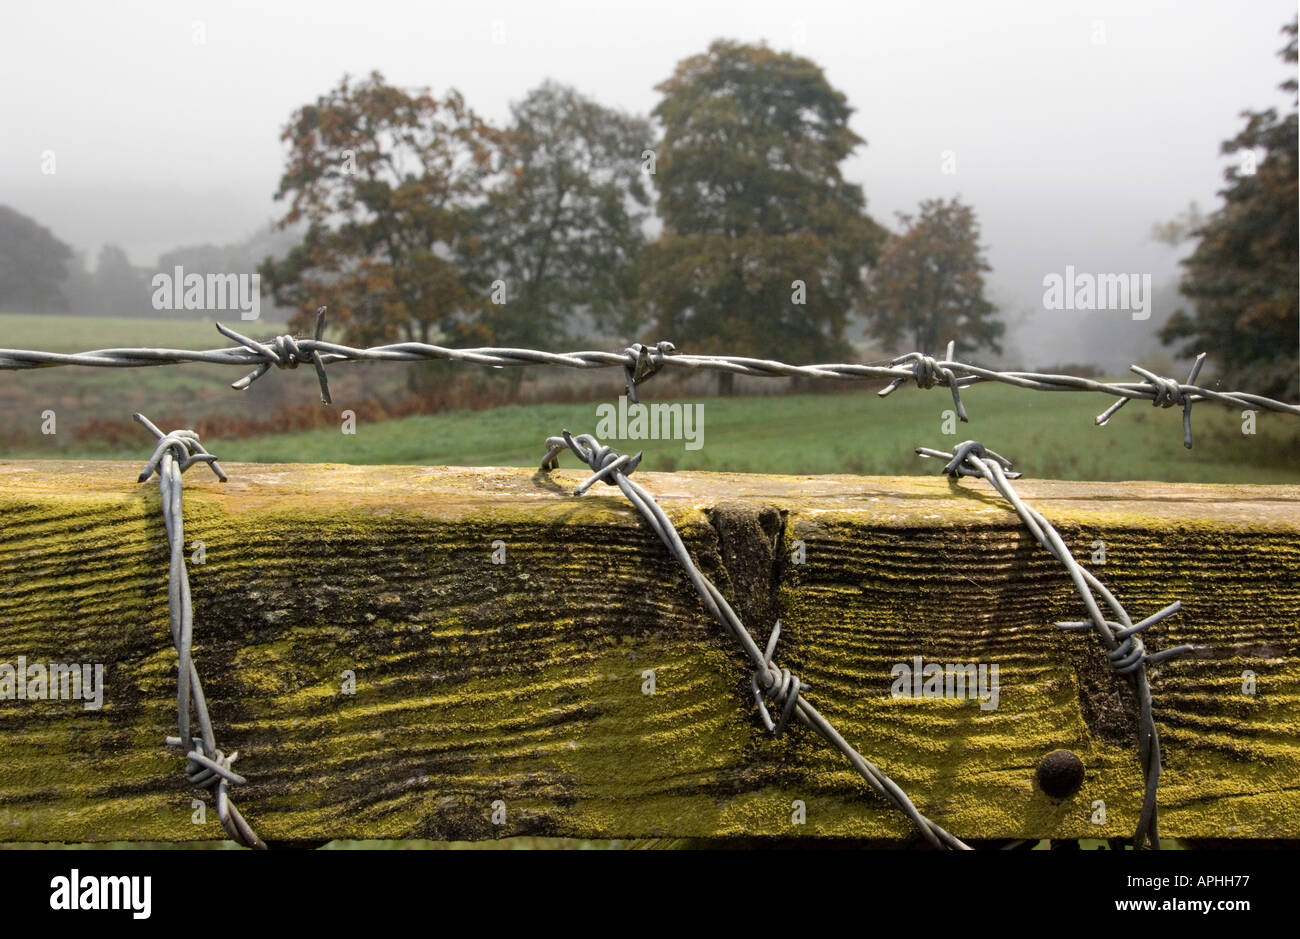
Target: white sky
[1068, 149]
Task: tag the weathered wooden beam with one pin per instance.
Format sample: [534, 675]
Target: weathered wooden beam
[523, 682]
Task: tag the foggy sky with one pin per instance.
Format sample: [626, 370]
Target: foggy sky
[1068, 149]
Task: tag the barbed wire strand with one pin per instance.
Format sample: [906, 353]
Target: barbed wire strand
[1125, 651]
[206, 766]
[640, 363]
[769, 681]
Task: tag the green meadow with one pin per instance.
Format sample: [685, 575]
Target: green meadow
[1047, 435]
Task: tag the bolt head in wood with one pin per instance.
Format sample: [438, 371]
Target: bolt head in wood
[1060, 774]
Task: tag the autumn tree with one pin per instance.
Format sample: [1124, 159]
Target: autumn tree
[33, 265]
[389, 184]
[764, 244]
[928, 286]
[563, 232]
[1242, 276]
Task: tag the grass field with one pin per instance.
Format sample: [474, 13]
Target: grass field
[1048, 435]
[66, 333]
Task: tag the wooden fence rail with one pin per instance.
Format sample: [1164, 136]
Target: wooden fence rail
[455, 653]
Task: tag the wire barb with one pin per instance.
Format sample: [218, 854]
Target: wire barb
[1165, 393]
[960, 462]
[780, 684]
[646, 361]
[927, 373]
[283, 352]
[184, 447]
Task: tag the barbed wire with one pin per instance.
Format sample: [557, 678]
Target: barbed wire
[1125, 651]
[769, 682]
[640, 363]
[206, 766]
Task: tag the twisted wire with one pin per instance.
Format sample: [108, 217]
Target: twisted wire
[640, 363]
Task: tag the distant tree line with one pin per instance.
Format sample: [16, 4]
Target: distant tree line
[41, 274]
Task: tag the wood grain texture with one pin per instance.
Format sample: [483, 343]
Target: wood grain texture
[522, 682]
